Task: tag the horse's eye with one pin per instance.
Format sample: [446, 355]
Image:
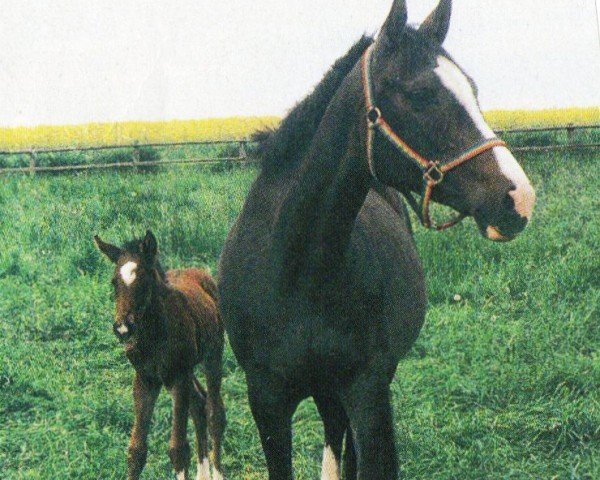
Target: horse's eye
[421, 98]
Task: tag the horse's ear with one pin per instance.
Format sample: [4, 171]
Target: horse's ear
[393, 28]
[113, 253]
[149, 247]
[438, 22]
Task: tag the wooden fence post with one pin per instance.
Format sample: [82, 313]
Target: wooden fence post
[32, 162]
[570, 133]
[136, 155]
[243, 152]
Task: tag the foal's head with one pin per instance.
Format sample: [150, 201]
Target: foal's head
[136, 273]
[431, 103]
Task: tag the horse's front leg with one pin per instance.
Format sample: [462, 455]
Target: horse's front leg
[179, 447]
[145, 394]
[272, 409]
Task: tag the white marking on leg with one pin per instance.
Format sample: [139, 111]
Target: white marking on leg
[181, 475]
[203, 470]
[128, 272]
[217, 475]
[122, 329]
[455, 80]
[330, 470]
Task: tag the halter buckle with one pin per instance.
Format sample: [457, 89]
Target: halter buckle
[373, 116]
[433, 175]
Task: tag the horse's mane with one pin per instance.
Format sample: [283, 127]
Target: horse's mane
[134, 247]
[283, 147]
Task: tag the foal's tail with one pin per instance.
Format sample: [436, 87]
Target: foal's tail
[208, 284]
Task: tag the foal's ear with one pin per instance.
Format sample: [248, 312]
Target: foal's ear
[393, 28]
[438, 22]
[149, 247]
[113, 253]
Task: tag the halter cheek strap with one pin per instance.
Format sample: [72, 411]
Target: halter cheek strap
[433, 171]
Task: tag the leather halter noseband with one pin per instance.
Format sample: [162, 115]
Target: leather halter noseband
[433, 171]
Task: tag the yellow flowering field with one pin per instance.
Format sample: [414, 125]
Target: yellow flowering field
[127, 133]
[506, 119]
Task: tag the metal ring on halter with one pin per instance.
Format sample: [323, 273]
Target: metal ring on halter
[433, 175]
[374, 117]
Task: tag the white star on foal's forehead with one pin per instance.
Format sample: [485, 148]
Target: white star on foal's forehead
[127, 272]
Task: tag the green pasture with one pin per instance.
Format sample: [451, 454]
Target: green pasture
[504, 382]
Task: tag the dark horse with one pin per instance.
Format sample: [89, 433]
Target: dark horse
[169, 323]
[322, 289]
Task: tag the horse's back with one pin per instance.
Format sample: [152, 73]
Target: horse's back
[199, 288]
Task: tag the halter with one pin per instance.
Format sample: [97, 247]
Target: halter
[433, 171]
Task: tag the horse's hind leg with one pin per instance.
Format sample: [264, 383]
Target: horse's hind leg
[335, 422]
[198, 411]
[367, 403]
[179, 448]
[350, 472]
[215, 411]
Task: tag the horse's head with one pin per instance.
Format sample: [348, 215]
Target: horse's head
[133, 280]
[431, 104]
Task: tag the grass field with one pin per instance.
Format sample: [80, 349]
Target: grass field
[503, 384]
[127, 133]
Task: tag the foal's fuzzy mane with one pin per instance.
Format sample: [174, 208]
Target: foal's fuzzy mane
[282, 148]
[133, 247]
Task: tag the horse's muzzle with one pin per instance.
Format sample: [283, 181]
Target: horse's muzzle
[124, 330]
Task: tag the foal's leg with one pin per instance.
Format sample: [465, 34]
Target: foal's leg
[144, 397]
[336, 423]
[272, 409]
[367, 403]
[215, 410]
[198, 411]
[179, 448]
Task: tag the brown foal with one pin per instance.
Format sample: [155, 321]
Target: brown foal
[169, 322]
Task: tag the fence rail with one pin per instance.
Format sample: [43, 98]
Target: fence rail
[569, 127]
[116, 147]
[135, 162]
[242, 157]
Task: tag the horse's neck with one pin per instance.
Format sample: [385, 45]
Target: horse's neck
[153, 322]
[317, 217]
